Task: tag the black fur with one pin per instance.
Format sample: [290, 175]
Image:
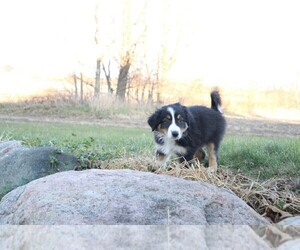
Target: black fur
[204, 126]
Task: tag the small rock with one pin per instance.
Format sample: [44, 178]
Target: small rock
[20, 165]
[290, 245]
[291, 226]
[291, 221]
[7, 147]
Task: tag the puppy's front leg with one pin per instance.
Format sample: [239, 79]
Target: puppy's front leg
[162, 158]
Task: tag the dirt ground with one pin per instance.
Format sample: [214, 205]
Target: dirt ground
[242, 126]
[235, 125]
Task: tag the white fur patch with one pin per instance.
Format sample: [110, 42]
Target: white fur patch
[173, 127]
[169, 148]
[220, 109]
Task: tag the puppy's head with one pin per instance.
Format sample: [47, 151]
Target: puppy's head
[170, 121]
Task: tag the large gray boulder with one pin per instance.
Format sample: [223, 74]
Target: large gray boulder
[127, 197]
[125, 209]
[20, 165]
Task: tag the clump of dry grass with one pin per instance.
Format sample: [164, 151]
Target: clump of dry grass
[275, 198]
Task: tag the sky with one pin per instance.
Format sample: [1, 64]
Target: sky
[246, 42]
[226, 43]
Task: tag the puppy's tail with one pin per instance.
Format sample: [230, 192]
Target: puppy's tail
[216, 101]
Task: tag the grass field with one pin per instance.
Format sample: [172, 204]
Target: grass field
[263, 171]
[259, 157]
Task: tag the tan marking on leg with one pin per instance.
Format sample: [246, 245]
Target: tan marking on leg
[161, 159]
[160, 156]
[212, 160]
[199, 154]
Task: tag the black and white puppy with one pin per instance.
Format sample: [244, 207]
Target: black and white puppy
[183, 131]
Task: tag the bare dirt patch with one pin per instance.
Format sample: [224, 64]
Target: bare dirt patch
[245, 126]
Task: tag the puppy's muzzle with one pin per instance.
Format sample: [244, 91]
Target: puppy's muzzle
[175, 134]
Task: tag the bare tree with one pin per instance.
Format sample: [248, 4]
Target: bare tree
[81, 87]
[123, 77]
[75, 85]
[170, 39]
[125, 37]
[98, 62]
[126, 54]
[97, 80]
[108, 77]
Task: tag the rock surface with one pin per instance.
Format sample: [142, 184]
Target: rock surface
[20, 165]
[129, 237]
[291, 221]
[127, 197]
[290, 245]
[125, 209]
[291, 226]
[7, 147]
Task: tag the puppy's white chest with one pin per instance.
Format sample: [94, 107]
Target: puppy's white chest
[170, 147]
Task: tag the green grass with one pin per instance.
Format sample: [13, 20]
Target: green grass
[87, 142]
[262, 156]
[266, 157]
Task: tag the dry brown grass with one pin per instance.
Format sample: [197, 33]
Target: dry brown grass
[275, 198]
[272, 103]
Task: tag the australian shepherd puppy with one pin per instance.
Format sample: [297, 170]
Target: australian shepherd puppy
[183, 131]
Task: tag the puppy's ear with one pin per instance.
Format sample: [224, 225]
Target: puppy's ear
[153, 120]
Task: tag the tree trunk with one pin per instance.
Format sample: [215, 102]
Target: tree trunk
[81, 88]
[150, 92]
[145, 83]
[122, 80]
[75, 85]
[97, 80]
[108, 78]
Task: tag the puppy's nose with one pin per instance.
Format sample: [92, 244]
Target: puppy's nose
[175, 134]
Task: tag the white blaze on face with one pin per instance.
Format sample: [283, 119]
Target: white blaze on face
[174, 132]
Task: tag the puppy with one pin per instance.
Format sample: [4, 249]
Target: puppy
[183, 131]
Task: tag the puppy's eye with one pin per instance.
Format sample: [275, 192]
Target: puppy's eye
[179, 118]
[167, 120]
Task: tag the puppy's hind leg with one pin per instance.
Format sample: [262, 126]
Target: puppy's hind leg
[212, 160]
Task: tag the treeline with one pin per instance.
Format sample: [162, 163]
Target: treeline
[133, 54]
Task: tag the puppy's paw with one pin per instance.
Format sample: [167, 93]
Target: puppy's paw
[156, 165]
[152, 167]
[212, 170]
